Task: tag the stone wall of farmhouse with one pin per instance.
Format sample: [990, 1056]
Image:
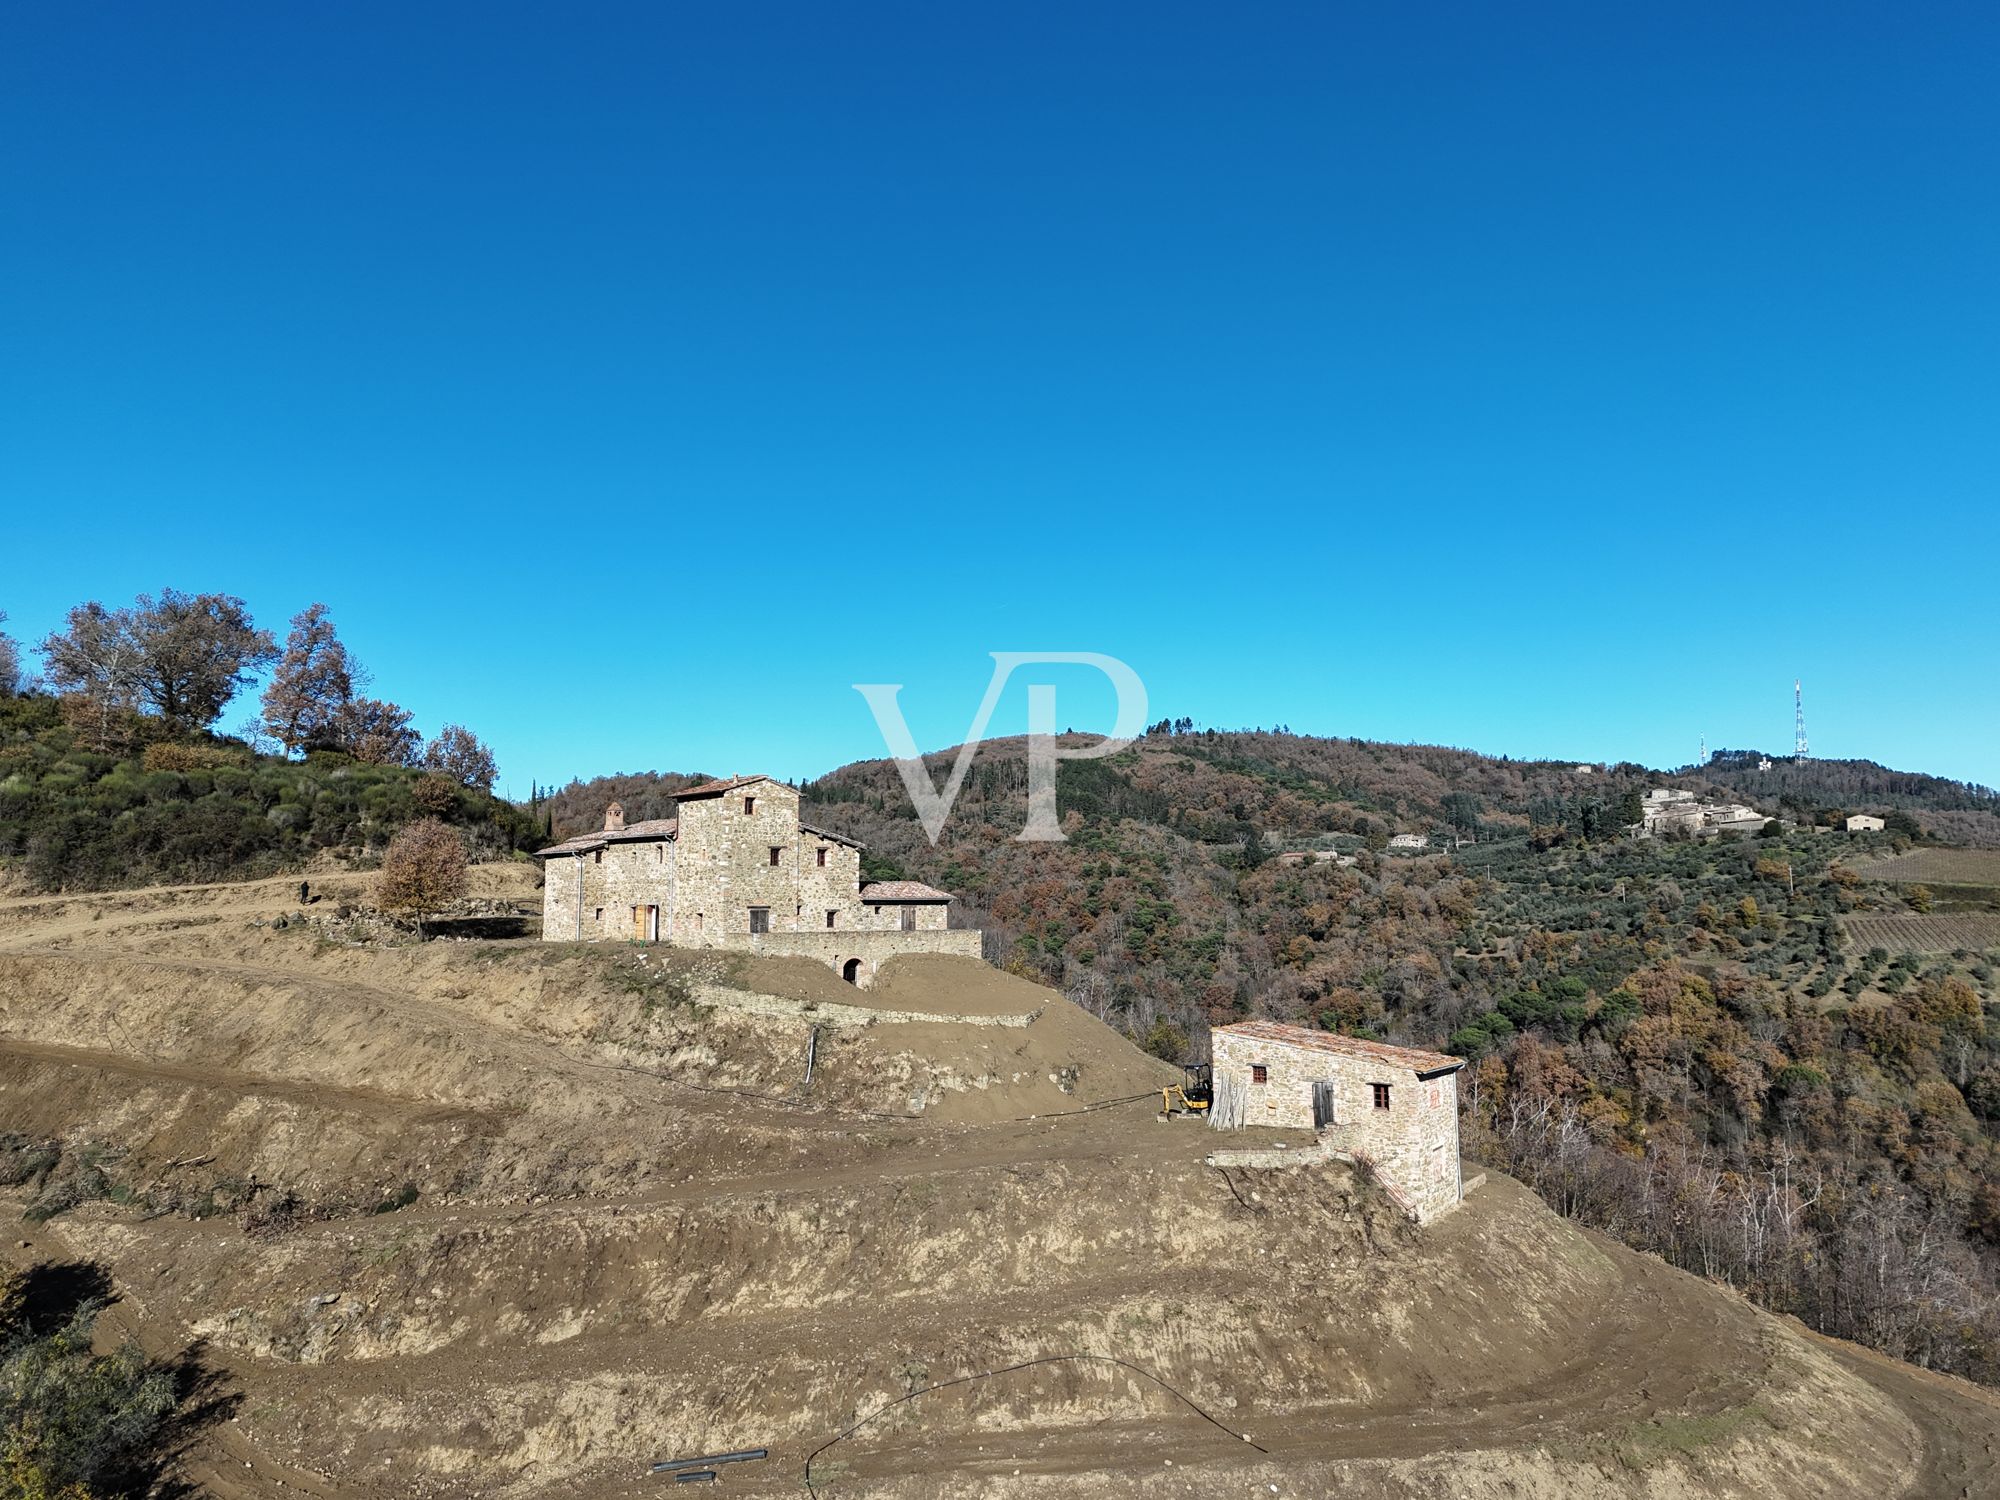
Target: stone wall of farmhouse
[871, 949]
[1413, 1144]
[615, 880]
[887, 916]
[705, 883]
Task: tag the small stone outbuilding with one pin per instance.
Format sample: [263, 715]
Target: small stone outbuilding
[1866, 823]
[1395, 1107]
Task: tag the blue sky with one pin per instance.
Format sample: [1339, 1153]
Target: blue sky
[632, 380]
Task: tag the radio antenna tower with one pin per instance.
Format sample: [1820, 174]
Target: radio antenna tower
[1799, 751]
[1704, 751]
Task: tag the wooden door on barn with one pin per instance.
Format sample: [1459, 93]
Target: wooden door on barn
[1322, 1105]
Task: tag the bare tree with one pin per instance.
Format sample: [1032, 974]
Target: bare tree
[184, 656]
[10, 662]
[423, 871]
[378, 732]
[315, 681]
[458, 753]
[94, 665]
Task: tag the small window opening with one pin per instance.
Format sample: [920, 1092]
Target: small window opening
[697, 921]
[659, 854]
[775, 852]
[822, 856]
[599, 917]
[749, 806]
[1259, 1073]
[1381, 1095]
[829, 921]
[597, 856]
[760, 919]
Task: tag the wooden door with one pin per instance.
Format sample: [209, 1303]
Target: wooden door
[1322, 1106]
[909, 919]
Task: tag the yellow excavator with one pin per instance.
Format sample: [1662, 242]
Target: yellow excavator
[1192, 1095]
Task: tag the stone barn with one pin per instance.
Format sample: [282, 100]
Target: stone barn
[1395, 1107]
[736, 868]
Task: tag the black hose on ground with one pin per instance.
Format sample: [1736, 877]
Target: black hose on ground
[1026, 1364]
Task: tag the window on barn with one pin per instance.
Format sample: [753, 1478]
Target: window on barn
[597, 856]
[1259, 1073]
[829, 921]
[760, 919]
[776, 850]
[1381, 1095]
[749, 806]
[822, 856]
[599, 917]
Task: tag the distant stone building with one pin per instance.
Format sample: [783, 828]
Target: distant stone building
[1409, 843]
[1395, 1107]
[1670, 810]
[1866, 823]
[735, 868]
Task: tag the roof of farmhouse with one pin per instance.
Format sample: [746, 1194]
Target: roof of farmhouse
[661, 830]
[1416, 1059]
[902, 890]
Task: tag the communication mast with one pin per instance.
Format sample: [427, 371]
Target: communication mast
[1704, 751]
[1799, 751]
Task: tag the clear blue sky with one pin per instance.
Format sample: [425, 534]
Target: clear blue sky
[631, 380]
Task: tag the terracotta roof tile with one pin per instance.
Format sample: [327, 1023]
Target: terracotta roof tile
[1414, 1058]
[632, 833]
[902, 890]
[716, 788]
[828, 833]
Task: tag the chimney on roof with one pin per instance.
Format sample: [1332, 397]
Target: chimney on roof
[614, 817]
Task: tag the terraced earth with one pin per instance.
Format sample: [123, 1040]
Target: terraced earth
[516, 1219]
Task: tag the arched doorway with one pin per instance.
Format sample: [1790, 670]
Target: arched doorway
[851, 971]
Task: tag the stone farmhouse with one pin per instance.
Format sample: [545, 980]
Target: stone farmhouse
[1394, 1107]
[1866, 823]
[735, 868]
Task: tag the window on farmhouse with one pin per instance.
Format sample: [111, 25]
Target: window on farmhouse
[1381, 1095]
[749, 806]
[775, 852]
[1259, 1073]
[822, 856]
[829, 921]
[599, 917]
[760, 919]
[597, 856]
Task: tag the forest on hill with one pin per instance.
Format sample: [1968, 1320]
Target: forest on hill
[1673, 1039]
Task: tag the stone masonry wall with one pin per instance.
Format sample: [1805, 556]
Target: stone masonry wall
[1413, 1144]
[615, 880]
[706, 880]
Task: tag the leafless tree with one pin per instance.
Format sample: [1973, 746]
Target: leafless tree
[10, 662]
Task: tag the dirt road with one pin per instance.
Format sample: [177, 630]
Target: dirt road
[629, 1230]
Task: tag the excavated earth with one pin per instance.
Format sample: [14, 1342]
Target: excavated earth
[502, 1218]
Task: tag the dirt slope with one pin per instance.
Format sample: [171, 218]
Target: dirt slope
[637, 1232]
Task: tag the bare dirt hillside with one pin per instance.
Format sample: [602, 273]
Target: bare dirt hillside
[514, 1219]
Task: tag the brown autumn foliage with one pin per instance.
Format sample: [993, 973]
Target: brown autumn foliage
[458, 753]
[314, 681]
[423, 870]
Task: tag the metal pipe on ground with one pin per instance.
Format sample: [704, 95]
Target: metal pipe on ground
[740, 1456]
[696, 1476]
